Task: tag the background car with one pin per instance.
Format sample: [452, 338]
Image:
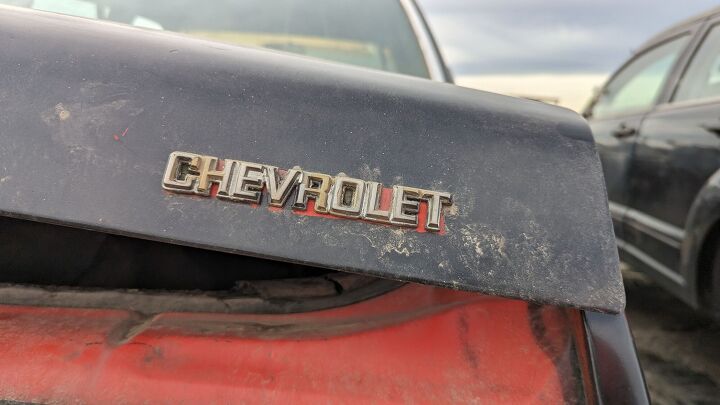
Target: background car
[656, 123]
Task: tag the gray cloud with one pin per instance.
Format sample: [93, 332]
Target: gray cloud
[553, 36]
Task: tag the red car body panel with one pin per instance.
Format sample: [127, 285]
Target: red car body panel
[417, 344]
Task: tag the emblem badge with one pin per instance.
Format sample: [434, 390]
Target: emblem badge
[339, 196]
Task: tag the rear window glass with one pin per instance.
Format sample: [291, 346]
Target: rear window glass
[370, 33]
[702, 78]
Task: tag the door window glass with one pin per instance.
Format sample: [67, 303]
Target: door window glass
[702, 78]
[638, 85]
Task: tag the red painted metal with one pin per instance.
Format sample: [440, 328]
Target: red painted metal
[417, 344]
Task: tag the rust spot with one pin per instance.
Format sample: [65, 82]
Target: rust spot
[61, 112]
[117, 138]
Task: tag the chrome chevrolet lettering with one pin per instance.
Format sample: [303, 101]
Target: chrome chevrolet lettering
[340, 196]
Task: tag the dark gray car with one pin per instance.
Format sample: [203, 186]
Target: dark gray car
[657, 127]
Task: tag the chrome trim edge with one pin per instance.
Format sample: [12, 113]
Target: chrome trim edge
[650, 262]
[430, 52]
[667, 233]
[616, 210]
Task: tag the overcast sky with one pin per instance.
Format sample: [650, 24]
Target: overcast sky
[481, 37]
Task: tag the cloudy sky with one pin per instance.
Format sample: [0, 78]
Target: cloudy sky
[552, 38]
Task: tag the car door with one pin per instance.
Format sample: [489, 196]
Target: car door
[677, 151]
[616, 114]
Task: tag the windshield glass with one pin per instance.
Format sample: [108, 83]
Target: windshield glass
[369, 33]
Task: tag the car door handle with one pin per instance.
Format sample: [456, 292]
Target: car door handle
[624, 131]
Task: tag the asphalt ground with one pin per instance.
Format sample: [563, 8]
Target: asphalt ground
[679, 349]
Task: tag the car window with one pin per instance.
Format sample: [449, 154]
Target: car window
[702, 77]
[638, 84]
[370, 33]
